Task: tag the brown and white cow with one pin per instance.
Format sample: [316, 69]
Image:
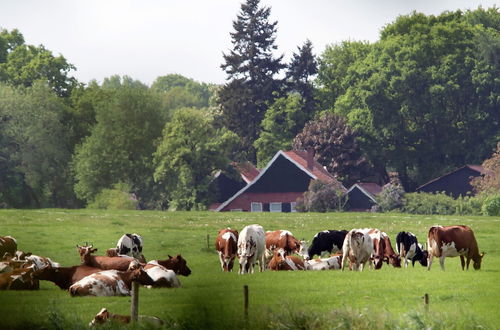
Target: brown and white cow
[357, 248]
[104, 263]
[8, 244]
[378, 246]
[390, 256]
[226, 245]
[453, 241]
[280, 262]
[19, 279]
[104, 316]
[64, 277]
[110, 283]
[332, 262]
[178, 264]
[251, 246]
[281, 240]
[161, 276]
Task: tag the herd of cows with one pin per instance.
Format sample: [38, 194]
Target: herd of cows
[280, 250]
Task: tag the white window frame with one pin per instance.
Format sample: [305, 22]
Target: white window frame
[255, 205]
[292, 206]
[276, 204]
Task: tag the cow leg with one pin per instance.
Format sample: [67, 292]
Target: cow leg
[462, 261]
[441, 262]
[429, 261]
[468, 262]
[221, 258]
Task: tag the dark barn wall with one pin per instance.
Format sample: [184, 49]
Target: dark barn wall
[358, 200]
[453, 184]
[226, 187]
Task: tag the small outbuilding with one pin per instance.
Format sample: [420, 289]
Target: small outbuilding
[455, 183]
[361, 196]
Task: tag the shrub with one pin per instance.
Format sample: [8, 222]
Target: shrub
[440, 203]
[322, 197]
[391, 197]
[491, 205]
[118, 198]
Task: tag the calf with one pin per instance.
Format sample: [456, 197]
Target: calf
[333, 262]
[226, 245]
[251, 246]
[409, 249]
[104, 316]
[102, 262]
[178, 264]
[389, 255]
[327, 241]
[281, 240]
[64, 277]
[131, 245]
[161, 276]
[19, 279]
[8, 244]
[357, 248]
[109, 283]
[452, 241]
[280, 262]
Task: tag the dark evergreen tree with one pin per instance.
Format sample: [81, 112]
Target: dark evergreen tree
[251, 68]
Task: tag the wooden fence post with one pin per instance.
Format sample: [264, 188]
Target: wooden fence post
[426, 302]
[245, 299]
[134, 306]
[208, 242]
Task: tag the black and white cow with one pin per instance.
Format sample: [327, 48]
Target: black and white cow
[327, 241]
[409, 249]
[130, 245]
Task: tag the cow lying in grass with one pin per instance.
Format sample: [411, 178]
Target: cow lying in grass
[19, 279]
[104, 316]
[280, 262]
[105, 263]
[333, 262]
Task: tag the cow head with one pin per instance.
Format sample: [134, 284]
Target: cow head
[85, 252]
[423, 260]
[100, 318]
[478, 260]
[178, 264]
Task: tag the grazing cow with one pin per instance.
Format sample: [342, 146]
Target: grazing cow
[327, 241]
[378, 246]
[178, 264]
[64, 277]
[19, 279]
[8, 244]
[389, 255]
[104, 316]
[281, 240]
[281, 262]
[357, 248]
[104, 263]
[251, 246]
[226, 245]
[452, 241]
[109, 283]
[333, 262]
[131, 245]
[161, 276]
[409, 249]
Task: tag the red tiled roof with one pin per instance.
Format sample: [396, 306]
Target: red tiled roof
[300, 157]
[247, 170]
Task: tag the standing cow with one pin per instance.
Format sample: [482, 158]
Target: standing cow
[251, 246]
[389, 255]
[131, 245]
[283, 241]
[453, 241]
[327, 241]
[226, 245]
[357, 248]
[409, 249]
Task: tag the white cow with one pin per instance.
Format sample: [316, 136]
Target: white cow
[334, 262]
[251, 248]
[358, 248]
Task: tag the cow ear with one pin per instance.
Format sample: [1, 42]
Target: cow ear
[93, 250]
[28, 254]
[169, 256]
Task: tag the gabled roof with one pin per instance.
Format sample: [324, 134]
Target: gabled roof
[247, 171]
[298, 158]
[367, 188]
[477, 168]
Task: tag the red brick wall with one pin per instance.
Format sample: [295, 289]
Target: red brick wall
[244, 201]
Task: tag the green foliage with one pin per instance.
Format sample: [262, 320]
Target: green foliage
[440, 203]
[190, 151]
[491, 205]
[391, 197]
[322, 197]
[180, 92]
[118, 198]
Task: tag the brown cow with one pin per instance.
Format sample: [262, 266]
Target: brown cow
[281, 240]
[8, 244]
[452, 241]
[64, 277]
[19, 279]
[226, 245]
[389, 255]
[104, 316]
[178, 264]
[104, 263]
[280, 262]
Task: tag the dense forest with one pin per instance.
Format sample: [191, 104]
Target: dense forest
[423, 99]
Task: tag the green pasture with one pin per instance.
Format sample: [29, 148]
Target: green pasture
[209, 298]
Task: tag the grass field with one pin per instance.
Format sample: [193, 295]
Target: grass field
[209, 298]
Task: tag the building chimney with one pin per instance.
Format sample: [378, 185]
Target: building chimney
[310, 158]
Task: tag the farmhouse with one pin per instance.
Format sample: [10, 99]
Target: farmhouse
[362, 196]
[277, 187]
[454, 183]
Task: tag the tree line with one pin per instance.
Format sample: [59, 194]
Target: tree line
[423, 99]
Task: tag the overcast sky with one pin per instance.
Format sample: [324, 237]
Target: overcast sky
[149, 38]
